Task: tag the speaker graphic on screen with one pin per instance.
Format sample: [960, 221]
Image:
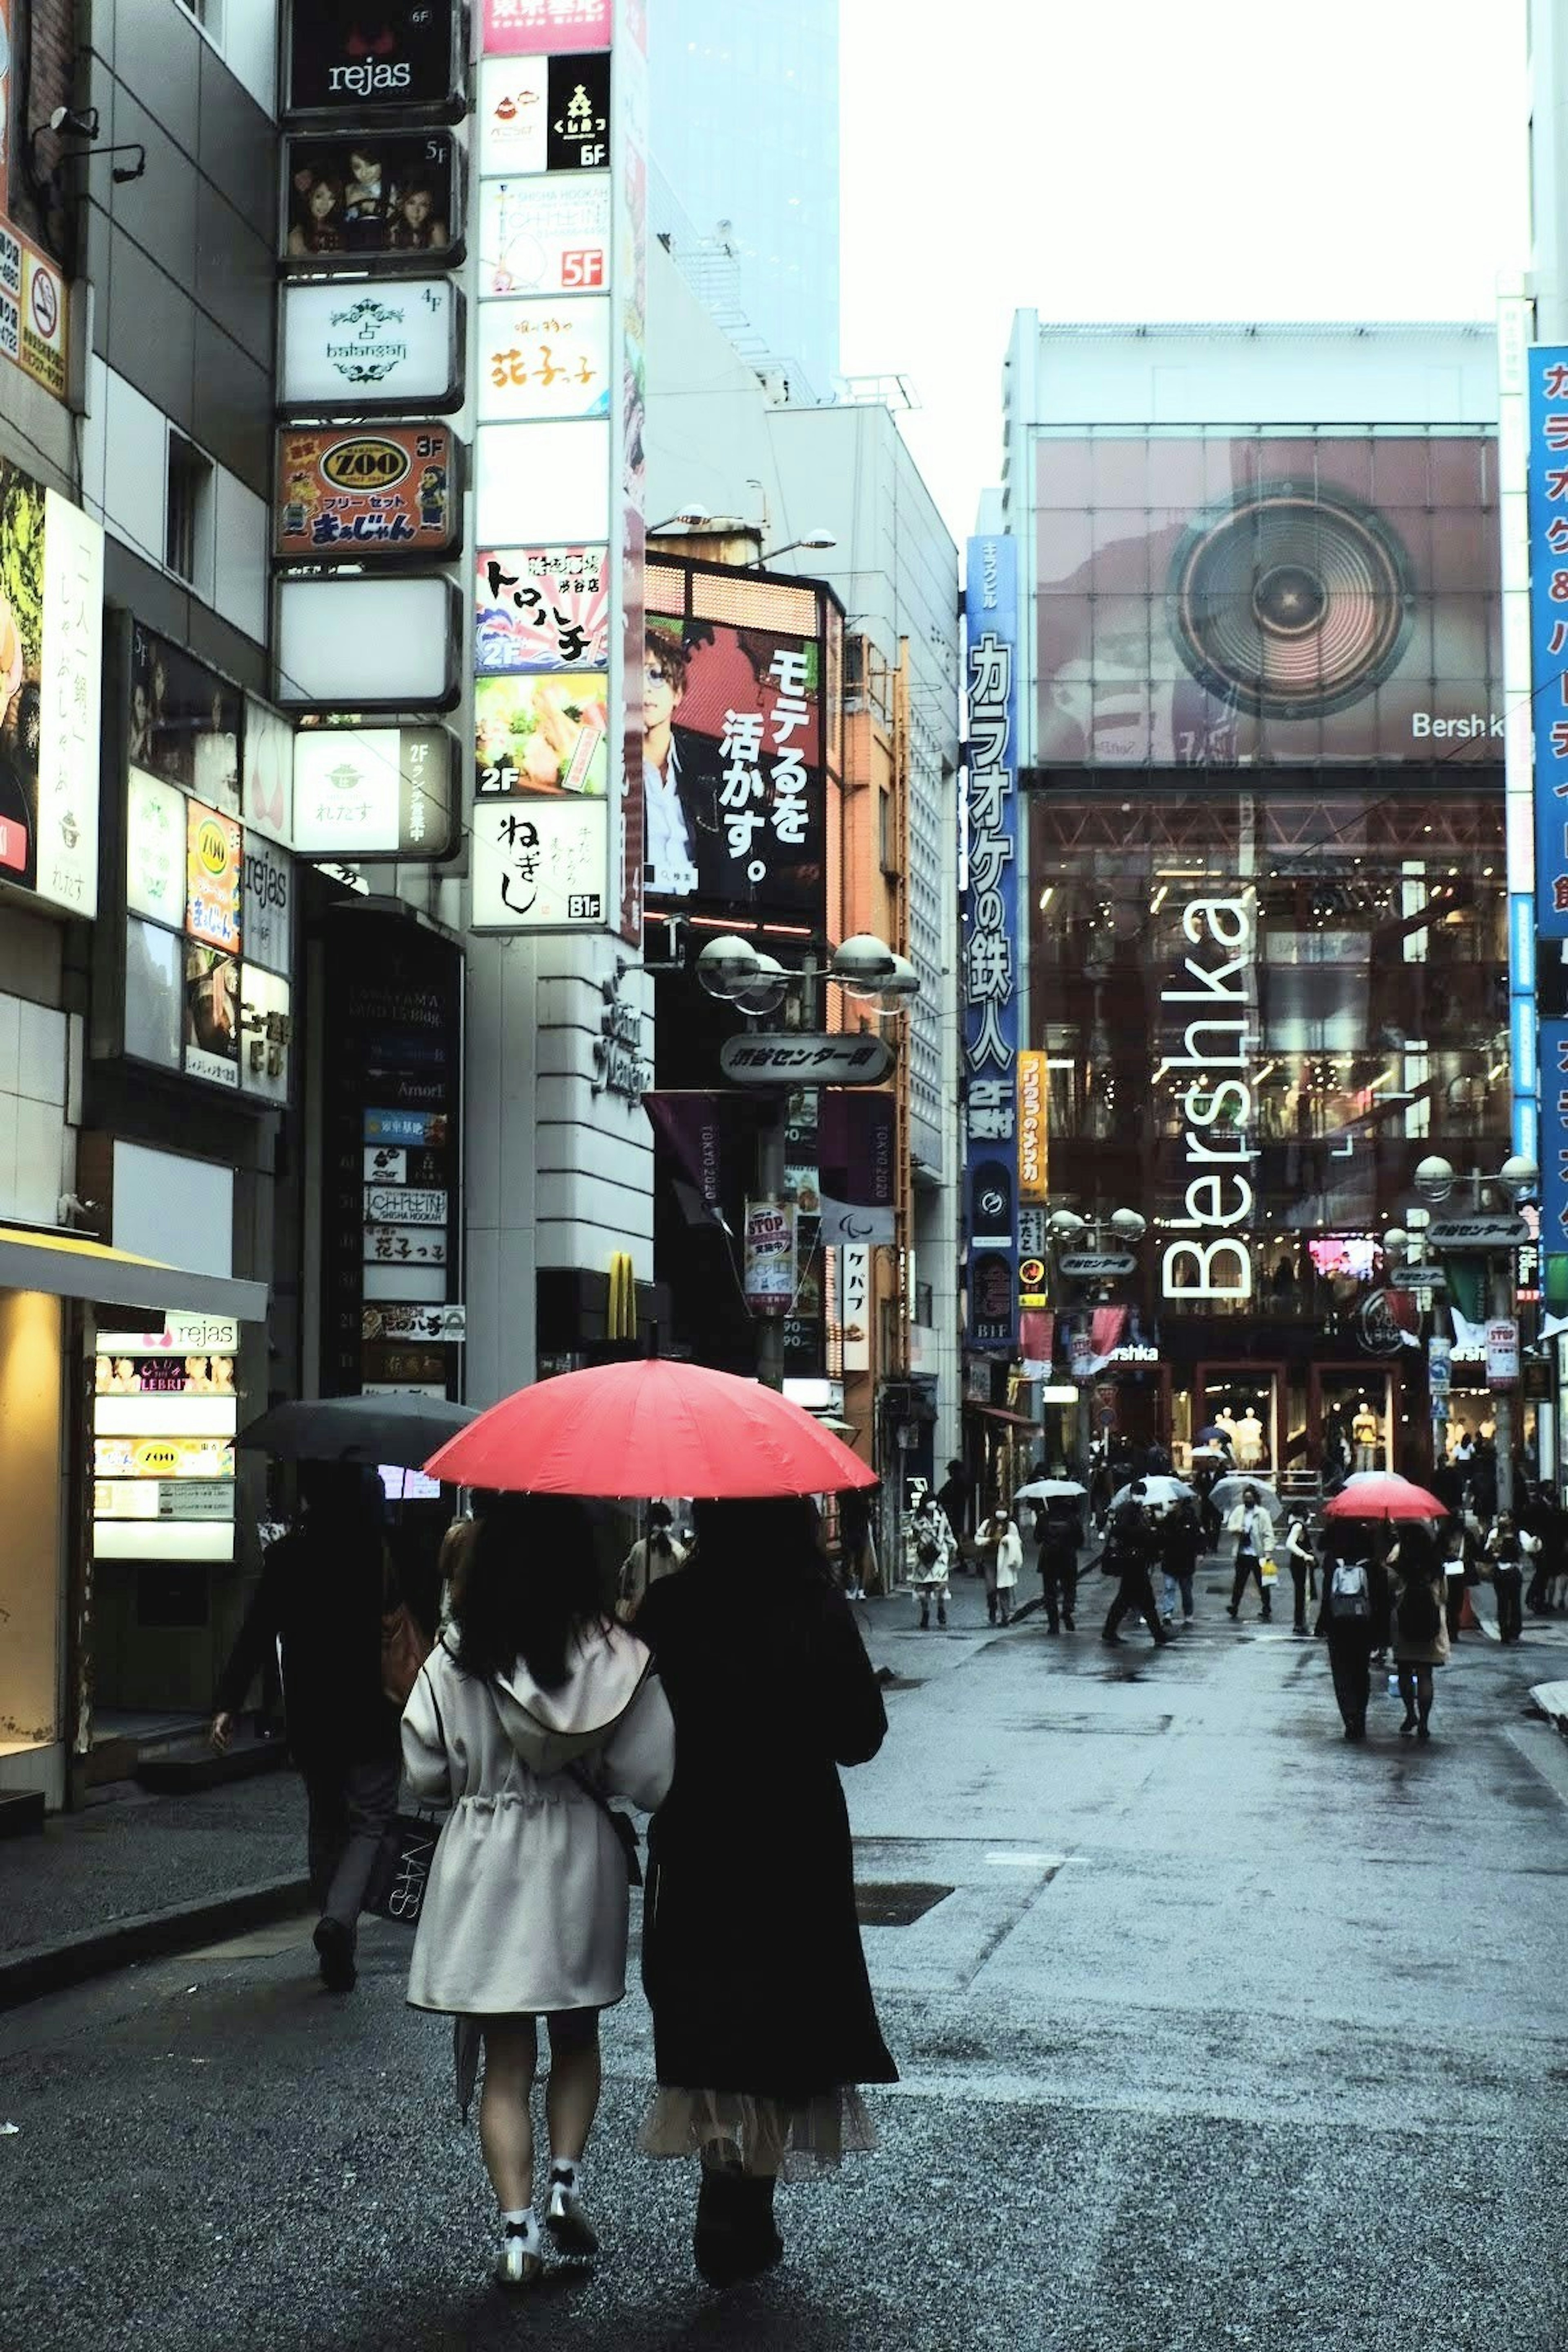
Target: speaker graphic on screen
[1290, 604]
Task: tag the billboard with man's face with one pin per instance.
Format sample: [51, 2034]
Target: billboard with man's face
[735, 774]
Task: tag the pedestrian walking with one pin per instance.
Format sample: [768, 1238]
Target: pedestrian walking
[1253, 1528]
[953, 1495]
[1457, 1574]
[652, 1556]
[762, 2017]
[1508, 1549]
[525, 1718]
[325, 1588]
[1302, 1562]
[1180, 1545]
[1132, 1548]
[1058, 1530]
[1001, 1549]
[929, 1551]
[1347, 1616]
[1418, 1633]
[857, 1544]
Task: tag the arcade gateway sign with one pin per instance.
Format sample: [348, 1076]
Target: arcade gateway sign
[1220, 982]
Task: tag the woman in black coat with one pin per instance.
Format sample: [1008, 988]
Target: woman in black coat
[762, 2008]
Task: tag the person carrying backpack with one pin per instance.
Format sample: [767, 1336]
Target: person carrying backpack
[1059, 1531]
[1345, 1616]
[1418, 1633]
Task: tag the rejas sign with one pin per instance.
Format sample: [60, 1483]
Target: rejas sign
[344, 57]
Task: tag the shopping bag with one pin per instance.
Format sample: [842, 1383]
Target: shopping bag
[401, 1872]
[1270, 1571]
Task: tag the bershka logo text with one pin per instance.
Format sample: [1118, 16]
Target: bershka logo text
[1456, 731]
[364, 81]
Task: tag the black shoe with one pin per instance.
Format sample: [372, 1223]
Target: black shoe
[1230, 1609]
[1407, 1727]
[336, 1947]
[1068, 1623]
[1053, 1627]
[1162, 1641]
[1114, 1639]
[1422, 1731]
[735, 2238]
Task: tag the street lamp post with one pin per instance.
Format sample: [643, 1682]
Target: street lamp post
[1516, 1179]
[1090, 1250]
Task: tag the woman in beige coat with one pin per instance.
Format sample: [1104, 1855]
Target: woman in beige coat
[1418, 1631]
[530, 1712]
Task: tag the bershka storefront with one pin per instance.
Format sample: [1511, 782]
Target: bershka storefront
[1259, 1010]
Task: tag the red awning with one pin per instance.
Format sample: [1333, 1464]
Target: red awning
[1000, 1413]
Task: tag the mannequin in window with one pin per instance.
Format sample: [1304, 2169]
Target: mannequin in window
[1248, 1441]
[1366, 1433]
[1226, 1426]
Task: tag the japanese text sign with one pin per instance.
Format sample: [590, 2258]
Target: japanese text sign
[344, 494]
[522, 25]
[1548, 632]
[1032, 1148]
[541, 608]
[1554, 1138]
[990, 952]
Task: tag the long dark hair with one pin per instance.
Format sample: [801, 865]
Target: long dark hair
[659, 1545]
[530, 1588]
[757, 1541]
[1418, 1559]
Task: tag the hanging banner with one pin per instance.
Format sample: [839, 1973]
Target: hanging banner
[1549, 631]
[1032, 1127]
[855, 1307]
[856, 1161]
[692, 1125]
[990, 958]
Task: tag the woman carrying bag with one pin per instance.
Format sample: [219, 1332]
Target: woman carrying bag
[1253, 1528]
[527, 1717]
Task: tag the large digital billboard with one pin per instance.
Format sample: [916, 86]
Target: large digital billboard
[736, 775]
[1210, 600]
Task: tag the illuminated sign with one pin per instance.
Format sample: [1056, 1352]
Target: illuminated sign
[379, 792]
[367, 644]
[1217, 990]
[543, 114]
[548, 235]
[391, 346]
[1032, 1146]
[539, 865]
[356, 494]
[539, 357]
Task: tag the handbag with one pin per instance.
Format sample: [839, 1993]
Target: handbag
[402, 1868]
[624, 1828]
[404, 1645]
[1267, 1569]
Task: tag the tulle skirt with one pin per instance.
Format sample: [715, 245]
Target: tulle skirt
[771, 2136]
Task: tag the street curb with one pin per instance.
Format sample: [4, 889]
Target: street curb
[39, 1968]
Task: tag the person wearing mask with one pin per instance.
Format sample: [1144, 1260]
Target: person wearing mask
[763, 2022]
[1132, 1548]
[1508, 1548]
[1060, 1532]
[652, 1556]
[1418, 1634]
[1347, 1617]
[928, 1552]
[324, 1588]
[1181, 1545]
[1001, 1549]
[527, 1717]
[1302, 1562]
[1253, 1528]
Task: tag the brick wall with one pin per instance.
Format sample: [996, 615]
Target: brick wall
[43, 69]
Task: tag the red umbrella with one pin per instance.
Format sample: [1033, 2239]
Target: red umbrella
[1377, 1495]
[650, 1427]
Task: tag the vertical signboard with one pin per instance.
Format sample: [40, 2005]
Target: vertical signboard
[1553, 1142]
[990, 966]
[1032, 1148]
[1549, 630]
[557, 842]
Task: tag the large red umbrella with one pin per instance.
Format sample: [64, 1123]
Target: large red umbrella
[1376, 1495]
[650, 1427]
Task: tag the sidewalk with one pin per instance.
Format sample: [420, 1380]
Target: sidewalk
[135, 1875]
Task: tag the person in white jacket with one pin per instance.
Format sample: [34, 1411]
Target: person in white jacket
[531, 1712]
[1253, 1528]
[1001, 1549]
[929, 1554]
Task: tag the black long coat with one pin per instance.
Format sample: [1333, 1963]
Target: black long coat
[751, 1956]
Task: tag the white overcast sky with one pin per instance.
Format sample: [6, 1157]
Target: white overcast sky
[1159, 160]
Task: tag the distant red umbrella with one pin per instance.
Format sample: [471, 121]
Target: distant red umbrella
[650, 1427]
[1371, 1494]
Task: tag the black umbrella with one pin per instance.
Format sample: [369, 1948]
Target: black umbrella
[402, 1428]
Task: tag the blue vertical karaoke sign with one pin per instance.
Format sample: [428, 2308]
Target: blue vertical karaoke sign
[991, 944]
[1548, 632]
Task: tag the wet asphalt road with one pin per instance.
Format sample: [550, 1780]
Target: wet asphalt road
[1227, 2034]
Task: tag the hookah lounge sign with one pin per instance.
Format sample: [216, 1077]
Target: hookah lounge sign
[1216, 989]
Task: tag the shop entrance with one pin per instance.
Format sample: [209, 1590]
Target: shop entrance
[1353, 1412]
[1243, 1400]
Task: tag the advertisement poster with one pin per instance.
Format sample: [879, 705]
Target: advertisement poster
[541, 359]
[1548, 508]
[347, 493]
[352, 200]
[373, 792]
[51, 619]
[266, 773]
[156, 849]
[549, 234]
[1224, 600]
[528, 24]
[769, 1260]
[539, 865]
[212, 877]
[341, 62]
[542, 733]
[186, 722]
[732, 777]
[541, 608]
[543, 114]
[989, 916]
[211, 1015]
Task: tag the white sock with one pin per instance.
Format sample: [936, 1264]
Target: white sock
[519, 2221]
[566, 2171]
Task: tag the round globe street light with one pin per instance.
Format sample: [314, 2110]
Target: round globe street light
[1519, 1176]
[1066, 1225]
[729, 965]
[1396, 1241]
[1435, 1178]
[769, 989]
[863, 964]
[1128, 1225]
[902, 981]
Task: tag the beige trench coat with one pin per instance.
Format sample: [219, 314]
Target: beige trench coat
[526, 1907]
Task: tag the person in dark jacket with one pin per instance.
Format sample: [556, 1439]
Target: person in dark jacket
[1180, 1545]
[1132, 1548]
[321, 1593]
[763, 2016]
[1351, 1613]
[953, 1494]
[1060, 1531]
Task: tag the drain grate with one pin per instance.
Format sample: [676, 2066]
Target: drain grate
[897, 1903]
